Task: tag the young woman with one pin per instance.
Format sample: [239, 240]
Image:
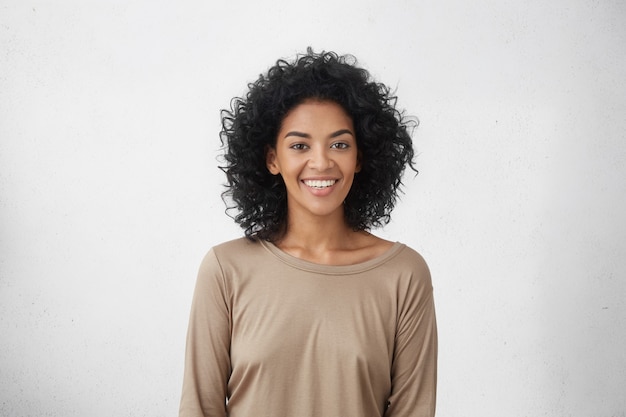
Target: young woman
[310, 315]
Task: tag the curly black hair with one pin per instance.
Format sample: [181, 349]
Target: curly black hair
[383, 136]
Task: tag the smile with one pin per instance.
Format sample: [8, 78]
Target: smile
[319, 183]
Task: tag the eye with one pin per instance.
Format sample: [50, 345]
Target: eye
[340, 145]
[298, 146]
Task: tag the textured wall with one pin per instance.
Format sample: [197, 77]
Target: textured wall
[109, 195]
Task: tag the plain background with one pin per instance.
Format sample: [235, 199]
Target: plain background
[109, 191]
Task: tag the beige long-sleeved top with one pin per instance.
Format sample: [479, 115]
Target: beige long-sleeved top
[271, 335]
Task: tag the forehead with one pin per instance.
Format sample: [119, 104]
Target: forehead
[317, 114]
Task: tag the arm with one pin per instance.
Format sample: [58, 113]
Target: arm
[414, 367]
[207, 357]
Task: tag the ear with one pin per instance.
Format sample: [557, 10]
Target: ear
[358, 162]
[270, 161]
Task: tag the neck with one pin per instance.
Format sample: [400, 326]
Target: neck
[317, 234]
[329, 240]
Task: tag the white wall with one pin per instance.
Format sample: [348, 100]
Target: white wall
[109, 191]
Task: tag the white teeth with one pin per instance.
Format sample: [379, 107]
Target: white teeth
[320, 183]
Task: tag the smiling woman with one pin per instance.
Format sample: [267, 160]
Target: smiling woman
[310, 314]
[316, 156]
[257, 198]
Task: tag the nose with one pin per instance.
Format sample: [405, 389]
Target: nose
[320, 159]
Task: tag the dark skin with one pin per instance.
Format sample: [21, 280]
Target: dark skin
[316, 154]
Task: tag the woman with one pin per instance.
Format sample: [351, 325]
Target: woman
[310, 314]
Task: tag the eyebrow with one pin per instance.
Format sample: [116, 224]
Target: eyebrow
[307, 136]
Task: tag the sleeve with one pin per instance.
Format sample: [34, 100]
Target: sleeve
[207, 355]
[414, 366]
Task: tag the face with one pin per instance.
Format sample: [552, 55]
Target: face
[316, 155]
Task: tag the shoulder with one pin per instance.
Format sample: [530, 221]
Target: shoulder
[415, 287]
[237, 253]
[410, 264]
[409, 258]
[228, 259]
[236, 246]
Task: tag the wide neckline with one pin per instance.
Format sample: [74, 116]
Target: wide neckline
[333, 269]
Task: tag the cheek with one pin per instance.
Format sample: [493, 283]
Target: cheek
[354, 163]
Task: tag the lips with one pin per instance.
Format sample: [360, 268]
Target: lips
[319, 184]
